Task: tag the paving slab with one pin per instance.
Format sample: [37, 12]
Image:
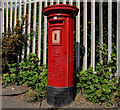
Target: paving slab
[15, 97]
[20, 100]
[74, 104]
[14, 90]
[11, 102]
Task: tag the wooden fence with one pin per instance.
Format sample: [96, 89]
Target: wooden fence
[21, 7]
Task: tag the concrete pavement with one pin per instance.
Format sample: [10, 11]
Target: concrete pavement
[15, 97]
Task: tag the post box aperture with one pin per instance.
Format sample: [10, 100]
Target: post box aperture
[56, 36]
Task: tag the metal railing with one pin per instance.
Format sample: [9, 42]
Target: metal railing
[24, 5]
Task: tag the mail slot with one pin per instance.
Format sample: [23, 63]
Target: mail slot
[60, 53]
[55, 36]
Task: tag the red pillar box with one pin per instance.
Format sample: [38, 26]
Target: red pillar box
[60, 53]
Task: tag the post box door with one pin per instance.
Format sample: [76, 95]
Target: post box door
[58, 56]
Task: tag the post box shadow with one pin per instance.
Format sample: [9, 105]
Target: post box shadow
[77, 70]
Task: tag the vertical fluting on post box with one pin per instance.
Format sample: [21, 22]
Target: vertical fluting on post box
[60, 53]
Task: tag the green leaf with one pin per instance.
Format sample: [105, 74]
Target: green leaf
[91, 87]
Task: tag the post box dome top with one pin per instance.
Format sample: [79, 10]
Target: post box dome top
[60, 8]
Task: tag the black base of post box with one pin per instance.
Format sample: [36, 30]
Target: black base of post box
[60, 96]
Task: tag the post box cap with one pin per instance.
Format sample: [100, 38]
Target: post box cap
[61, 9]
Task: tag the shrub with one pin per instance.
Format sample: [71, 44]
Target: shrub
[29, 73]
[98, 87]
[12, 42]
